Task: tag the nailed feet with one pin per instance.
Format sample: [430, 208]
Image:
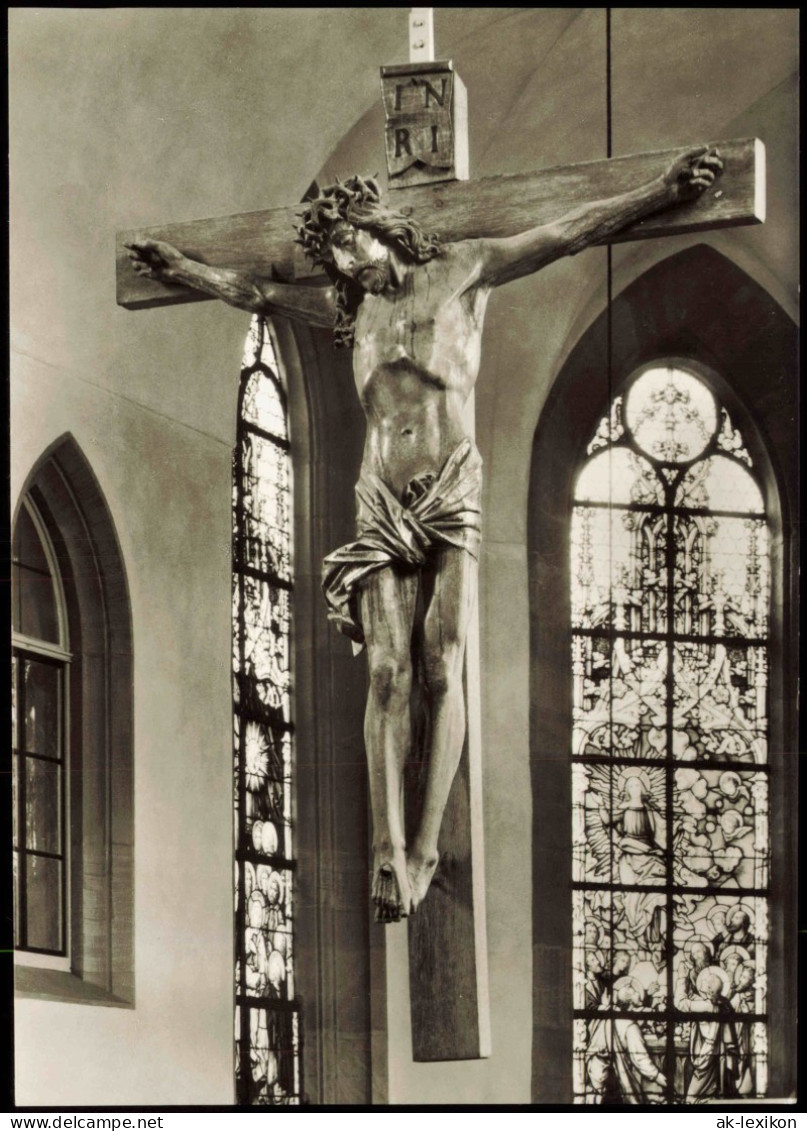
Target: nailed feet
[391, 893]
[400, 883]
[420, 867]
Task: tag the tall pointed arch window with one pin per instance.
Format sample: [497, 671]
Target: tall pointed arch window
[73, 754]
[670, 581]
[267, 1016]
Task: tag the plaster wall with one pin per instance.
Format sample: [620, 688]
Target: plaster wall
[121, 117]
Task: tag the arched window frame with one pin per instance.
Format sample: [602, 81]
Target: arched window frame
[698, 304]
[99, 821]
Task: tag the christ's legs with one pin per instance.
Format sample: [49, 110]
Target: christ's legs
[388, 609]
[445, 629]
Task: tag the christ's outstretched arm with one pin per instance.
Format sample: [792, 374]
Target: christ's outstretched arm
[155, 259]
[505, 259]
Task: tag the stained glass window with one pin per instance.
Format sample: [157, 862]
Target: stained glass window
[267, 1015]
[670, 575]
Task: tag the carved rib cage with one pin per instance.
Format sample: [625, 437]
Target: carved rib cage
[670, 593]
[267, 1014]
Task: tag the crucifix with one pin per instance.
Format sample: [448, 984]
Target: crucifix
[406, 287]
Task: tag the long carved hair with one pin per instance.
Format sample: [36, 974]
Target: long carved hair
[357, 201]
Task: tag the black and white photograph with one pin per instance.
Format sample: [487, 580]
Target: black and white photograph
[404, 493]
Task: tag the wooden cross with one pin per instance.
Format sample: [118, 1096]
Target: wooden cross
[446, 937]
[263, 241]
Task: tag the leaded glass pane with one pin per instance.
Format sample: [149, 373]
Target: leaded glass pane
[264, 615]
[620, 569]
[15, 866]
[722, 1058]
[618, 475]
[15, 759]
[671, 415]
[269, 970]
[272, 1046]
[728, 935]
[720, 704]
[670, 586]
[720, 484]
[43, 900]
[619, 936]
[263, 405]
[620, 694]
[620, 1061]
[730, 440]
[720, 832]
[266, 1015]
[33, 595]
[43, 805]
[41, 723]
[265, 501]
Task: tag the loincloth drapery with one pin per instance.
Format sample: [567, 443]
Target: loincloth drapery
[434, 510]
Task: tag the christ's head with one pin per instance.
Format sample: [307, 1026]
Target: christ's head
[358, 255]
[353, 236]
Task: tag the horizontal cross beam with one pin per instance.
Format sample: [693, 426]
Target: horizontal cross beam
[263, 242]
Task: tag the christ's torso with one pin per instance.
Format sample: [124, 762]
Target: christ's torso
[415, 362]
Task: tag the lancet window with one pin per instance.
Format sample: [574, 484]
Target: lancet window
[670, 577]
[267, 1016]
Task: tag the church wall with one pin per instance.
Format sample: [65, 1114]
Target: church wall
[127, 116]
[167, 491]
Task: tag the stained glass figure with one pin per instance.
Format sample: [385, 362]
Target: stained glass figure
[670, 589]
[267, 1021]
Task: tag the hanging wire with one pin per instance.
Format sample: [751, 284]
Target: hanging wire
[609, 152]
[609, 377]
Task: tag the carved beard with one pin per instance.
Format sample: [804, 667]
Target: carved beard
[373, 276]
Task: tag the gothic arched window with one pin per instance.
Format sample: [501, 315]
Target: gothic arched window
[670, 592]
[73, 774]
[267, 1023]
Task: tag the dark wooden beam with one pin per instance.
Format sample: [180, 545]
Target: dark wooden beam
[447, 936]
[262, 242]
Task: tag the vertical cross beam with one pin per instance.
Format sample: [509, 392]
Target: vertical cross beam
[421, 35]
[447, 937]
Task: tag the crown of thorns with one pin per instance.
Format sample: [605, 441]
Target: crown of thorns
[339, 201]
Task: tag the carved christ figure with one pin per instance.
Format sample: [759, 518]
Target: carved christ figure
[413, 310]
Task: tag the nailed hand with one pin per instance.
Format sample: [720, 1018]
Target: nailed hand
[694, 172]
